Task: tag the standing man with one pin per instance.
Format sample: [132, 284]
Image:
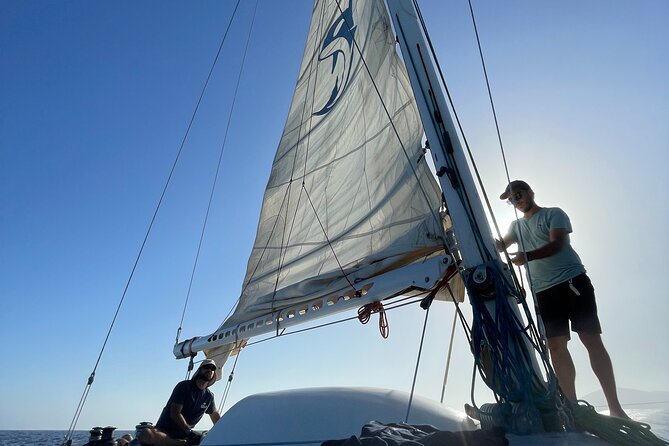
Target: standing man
[189, 401]
[562, 288]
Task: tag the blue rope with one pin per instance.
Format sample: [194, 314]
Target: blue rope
[505, 368]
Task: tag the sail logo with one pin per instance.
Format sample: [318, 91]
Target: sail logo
[338, 46]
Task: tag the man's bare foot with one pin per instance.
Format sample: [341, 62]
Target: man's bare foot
[619, 413]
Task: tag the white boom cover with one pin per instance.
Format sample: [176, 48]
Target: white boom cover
[349, 194]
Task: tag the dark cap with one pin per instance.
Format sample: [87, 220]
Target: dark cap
[513, 187]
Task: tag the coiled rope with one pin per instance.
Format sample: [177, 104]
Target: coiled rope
[616, 431]
[365, 313]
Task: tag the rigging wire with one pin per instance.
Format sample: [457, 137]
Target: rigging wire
[499, 139]
[218, 168]
[415, 373]
[228, 384]
[487, 83]
[529, 331]
[466, 143]
[521, 242]
[91, 377]
[448, 356]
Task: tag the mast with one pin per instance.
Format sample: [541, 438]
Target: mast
[481, 263]
[473, 233]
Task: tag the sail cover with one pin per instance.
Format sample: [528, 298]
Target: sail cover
[349, 195]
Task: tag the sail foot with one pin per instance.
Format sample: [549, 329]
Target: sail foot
[415, 279]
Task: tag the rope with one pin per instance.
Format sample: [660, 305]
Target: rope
[91, 378]
[365, 313]
[341, 268]
[508, 371]
[616, 431]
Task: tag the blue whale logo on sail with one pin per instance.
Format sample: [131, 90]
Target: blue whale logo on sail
[338, 46]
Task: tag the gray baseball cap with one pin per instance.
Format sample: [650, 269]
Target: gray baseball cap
[514, 186]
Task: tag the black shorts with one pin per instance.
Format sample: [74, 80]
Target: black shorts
[572, 300]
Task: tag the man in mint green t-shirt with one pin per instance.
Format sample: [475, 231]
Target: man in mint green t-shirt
[562, 288]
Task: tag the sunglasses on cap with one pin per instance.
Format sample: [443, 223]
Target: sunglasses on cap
[516, 196]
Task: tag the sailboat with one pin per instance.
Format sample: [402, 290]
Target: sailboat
[371, 200]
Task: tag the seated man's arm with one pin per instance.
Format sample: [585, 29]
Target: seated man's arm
[175, 414]
[215, 416]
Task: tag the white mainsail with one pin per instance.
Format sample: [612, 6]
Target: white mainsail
[350, 194]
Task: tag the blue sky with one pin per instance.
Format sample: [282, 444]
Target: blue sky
[95, 99]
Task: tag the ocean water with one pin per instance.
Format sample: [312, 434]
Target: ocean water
[46, 438]
[657, 418]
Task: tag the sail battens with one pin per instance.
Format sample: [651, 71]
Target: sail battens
[347, 237]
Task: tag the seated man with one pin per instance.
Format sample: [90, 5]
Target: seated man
[190, 400]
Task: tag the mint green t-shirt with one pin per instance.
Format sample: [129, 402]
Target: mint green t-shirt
[549, 271]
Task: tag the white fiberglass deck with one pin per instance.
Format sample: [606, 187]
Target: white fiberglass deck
[311, 416]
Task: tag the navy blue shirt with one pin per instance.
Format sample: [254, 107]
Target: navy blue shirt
[195, 402]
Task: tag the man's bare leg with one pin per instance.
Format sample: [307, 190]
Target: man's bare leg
[600, 361]
[563, 365]
[155, 437]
